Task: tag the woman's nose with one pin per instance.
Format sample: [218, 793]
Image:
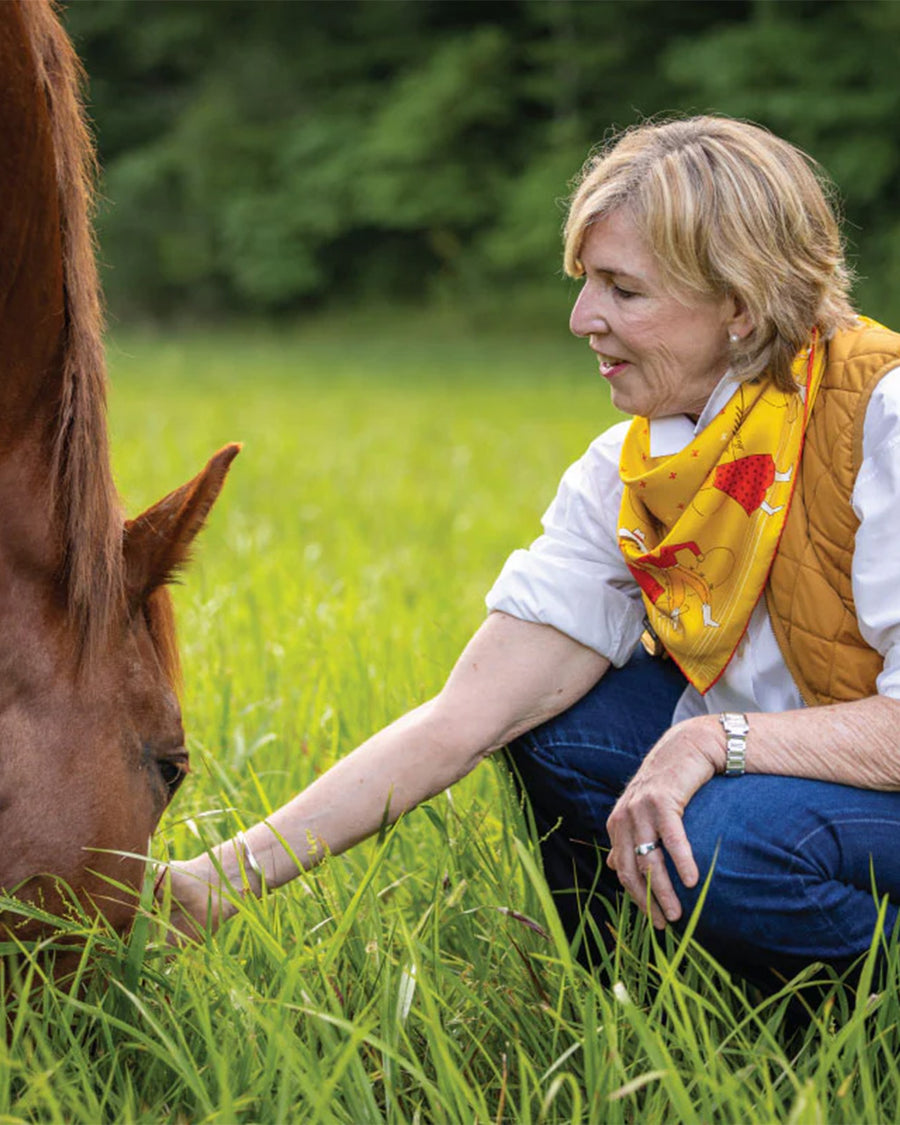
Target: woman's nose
[587, 318]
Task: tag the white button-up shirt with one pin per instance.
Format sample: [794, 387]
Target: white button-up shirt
[574, 576]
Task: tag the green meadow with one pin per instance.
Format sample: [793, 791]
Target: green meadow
[390, 464]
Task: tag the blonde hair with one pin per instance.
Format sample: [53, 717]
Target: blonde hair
[727, 208]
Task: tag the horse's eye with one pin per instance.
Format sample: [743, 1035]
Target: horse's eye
[173, 771]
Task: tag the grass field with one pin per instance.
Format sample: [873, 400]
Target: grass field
[388, 469]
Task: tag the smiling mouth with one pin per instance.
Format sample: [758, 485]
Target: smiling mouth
[610, 366]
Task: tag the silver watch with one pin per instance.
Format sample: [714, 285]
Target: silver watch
[736, 730]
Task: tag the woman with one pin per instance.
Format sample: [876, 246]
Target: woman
[715, 299]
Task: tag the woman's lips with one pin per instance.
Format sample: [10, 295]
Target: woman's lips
[610, 368]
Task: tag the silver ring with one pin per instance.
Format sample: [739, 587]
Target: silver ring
[646, 849]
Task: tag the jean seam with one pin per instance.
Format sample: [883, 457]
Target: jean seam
[561, 743]
[797, 860]
[544, 752]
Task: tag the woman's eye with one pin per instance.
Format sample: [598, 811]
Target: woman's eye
[623, 293]
[173, 771]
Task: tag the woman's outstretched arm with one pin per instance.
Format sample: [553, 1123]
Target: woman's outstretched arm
[511, 676]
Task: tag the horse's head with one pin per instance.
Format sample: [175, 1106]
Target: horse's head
[91, 742]
[92, 747]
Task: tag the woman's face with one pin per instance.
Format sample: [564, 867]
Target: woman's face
[659, 356]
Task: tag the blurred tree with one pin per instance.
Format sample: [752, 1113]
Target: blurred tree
[263, 155]
[817, 73]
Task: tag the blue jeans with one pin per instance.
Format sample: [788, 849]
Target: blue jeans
[795, 860]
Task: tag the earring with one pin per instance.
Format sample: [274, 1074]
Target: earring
[733, 337]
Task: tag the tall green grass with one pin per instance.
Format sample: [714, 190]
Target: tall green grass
[388, 469]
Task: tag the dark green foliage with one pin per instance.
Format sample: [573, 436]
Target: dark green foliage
[266, 155]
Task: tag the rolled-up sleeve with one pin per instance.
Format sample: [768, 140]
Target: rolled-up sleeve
[573, 577]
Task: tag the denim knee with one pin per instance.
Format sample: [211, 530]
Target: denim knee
[789, 865]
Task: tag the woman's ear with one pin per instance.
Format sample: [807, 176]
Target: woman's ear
[739, 322]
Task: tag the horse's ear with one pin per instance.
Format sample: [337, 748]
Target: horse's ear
[158, 542]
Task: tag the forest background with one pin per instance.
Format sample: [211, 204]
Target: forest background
[271, 158]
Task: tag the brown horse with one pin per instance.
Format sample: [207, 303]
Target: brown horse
[91, 741]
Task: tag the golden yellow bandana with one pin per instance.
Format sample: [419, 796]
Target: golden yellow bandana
[699, 529]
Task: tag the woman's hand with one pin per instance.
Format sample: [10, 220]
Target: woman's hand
[651, 809]
[197, 904]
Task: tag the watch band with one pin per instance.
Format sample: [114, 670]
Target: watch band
[736, 730]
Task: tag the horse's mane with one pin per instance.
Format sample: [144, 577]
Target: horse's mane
[83, 488]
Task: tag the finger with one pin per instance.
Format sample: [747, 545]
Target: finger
[675, 842]
[651, 868]
[678, 848]
[182, 930]
[661, 889]
[641, 892]
[657, 915]
[160, 872]
[637, 872]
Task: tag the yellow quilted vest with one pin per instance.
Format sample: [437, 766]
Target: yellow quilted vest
[809, 593]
